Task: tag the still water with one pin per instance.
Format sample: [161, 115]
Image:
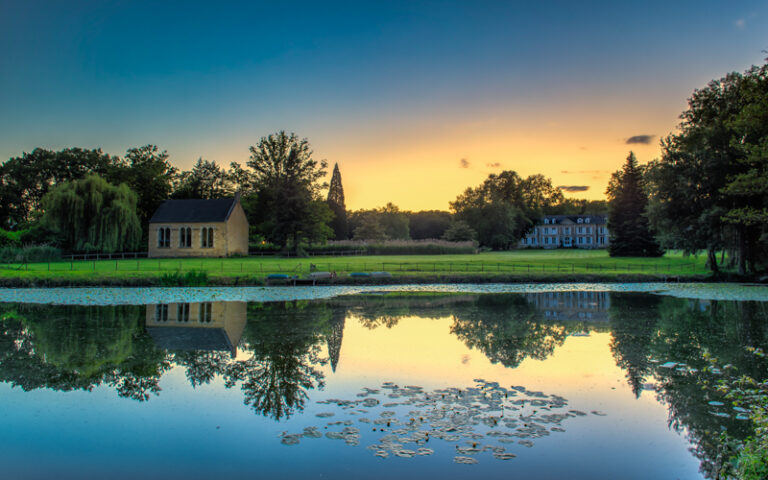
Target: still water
[572, 384]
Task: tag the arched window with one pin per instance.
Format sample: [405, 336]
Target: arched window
[182, 312]
[164, 237]
[185, 237]
[206, 237]
[161, 313]
[205, 314]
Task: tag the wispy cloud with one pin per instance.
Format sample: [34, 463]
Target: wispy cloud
[493, 165]
[574, 188]
[640, 139]
[740, 23]
[463, 163]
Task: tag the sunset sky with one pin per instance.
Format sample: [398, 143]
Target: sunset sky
[415, 100]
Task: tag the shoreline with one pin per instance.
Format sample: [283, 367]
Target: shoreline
[245, 281]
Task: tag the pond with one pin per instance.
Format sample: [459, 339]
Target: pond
[590, 382]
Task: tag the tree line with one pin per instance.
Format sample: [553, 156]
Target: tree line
[83, 200]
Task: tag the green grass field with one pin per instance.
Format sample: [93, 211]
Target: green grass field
[548, 263]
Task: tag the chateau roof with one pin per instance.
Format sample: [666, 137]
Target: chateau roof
[195, 211]
[593, 219]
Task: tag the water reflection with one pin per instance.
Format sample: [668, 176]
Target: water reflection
[208, 326]
[278, 353]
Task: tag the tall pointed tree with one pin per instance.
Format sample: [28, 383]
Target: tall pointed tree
[627, 201]
[336, 203]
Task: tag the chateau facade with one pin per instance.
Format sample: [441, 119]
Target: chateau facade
[568, 231]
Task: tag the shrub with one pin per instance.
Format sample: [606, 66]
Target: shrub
[192, 278]
[31, 254]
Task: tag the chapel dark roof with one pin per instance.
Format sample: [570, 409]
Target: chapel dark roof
[190, 338]
[193, 211]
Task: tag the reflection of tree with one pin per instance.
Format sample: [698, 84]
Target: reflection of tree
[375, 311]
[507, 329]
[633, 322]
[682, 331]
[202, 366]
[74, 347]
[284, 339]
[336, 335]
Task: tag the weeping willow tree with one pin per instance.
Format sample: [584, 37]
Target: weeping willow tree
[92, 215]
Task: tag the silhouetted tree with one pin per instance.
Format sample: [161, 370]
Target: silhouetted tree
[505, 206]
[709, 191]
[428, 224]
[26, 179]
[147, 171]
[205, 180]
[286, 181]
[459, 231]
[630, 234]
[336, 203]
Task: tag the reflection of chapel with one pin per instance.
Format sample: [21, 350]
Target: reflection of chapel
[210, 326]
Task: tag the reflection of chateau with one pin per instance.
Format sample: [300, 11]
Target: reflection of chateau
[582, 306]
[214, 326]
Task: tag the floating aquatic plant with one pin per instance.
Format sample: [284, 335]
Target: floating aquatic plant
[479, 419]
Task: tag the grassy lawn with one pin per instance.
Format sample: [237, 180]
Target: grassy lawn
[520, 262]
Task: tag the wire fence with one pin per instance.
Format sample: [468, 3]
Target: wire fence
[253, 253]
[252, 267]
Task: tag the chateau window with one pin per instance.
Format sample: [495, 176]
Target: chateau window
[589, 230]
[164, 237]
[161, 313]
[185, 237]
[589, 240]
[546, 221]
[586, 220]
[205, 315]
[581, 220]
[206, 237]
[182, 312]
[567, 230]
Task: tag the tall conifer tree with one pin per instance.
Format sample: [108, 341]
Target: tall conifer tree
[630, 235]
[336, 203]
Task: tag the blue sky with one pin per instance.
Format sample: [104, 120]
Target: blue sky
[379, 87]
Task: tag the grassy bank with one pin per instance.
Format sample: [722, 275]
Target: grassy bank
[513, 266]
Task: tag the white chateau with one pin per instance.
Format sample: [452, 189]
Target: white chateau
[568, 231]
